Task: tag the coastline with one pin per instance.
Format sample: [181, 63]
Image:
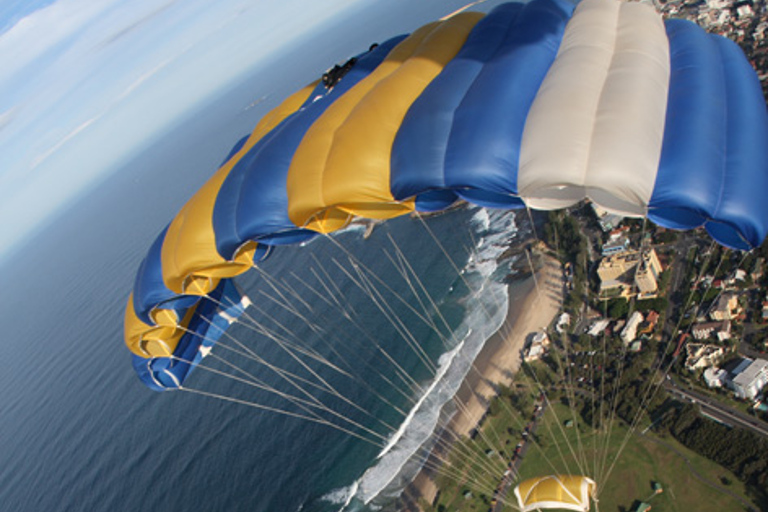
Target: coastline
[533, 304]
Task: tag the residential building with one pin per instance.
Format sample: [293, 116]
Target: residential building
[607, 221]
[629, 333]
[598, 327]
[629, 272]
[702, 356]
[715, 377]
[704, 330]
[726, 307]
[537, 348]
[749, 378]
[617, 242]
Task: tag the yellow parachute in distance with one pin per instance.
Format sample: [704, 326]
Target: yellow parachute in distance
[559, 492]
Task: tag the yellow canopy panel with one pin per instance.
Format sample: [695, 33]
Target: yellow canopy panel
[159, 340]
[341, 167]
[191, 263]
[562, 492]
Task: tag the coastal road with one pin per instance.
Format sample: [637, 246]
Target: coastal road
[717, 411]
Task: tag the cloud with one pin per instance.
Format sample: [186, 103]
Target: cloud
[6, 117]
[44, 156]
[86, 84]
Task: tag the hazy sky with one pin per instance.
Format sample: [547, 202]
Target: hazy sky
[85, 83]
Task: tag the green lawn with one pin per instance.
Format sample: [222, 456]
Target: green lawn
[644, 460]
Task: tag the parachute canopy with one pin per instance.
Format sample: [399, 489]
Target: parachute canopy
[561, 492]
[535, 105]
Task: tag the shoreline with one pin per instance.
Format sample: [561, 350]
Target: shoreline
[531, 308]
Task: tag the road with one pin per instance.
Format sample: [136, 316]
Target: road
[718, 411]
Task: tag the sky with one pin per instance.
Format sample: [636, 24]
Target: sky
[85, 84]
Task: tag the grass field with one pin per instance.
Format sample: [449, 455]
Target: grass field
[690, 482]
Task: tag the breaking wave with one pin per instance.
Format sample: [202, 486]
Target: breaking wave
[485, 307]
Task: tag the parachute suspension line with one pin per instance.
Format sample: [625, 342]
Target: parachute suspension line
[460, 404]
[506, 330]
[533, 224]
[601, 421]
[624, 350]
[651, 389]
[280, 411]
[657, 366]
[505, 327]
[288, 378]
[578, 454]
[379, 280]
[399, 371]
[303, 404]
[309, 369]
[559, 424]
[254, 382]
[367, 286]
[481, 460]
[580, 459]
[275, 369]
[311, 416]
[255, 326]
[306, 406]
[406, 271]
[567, 376]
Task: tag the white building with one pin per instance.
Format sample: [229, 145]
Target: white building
[702, 356]
[749, 378]
[629, 333]
[537, 348]
[598, 327]
[715, 377]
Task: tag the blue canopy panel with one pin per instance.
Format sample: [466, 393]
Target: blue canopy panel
[253, 201]
[687, 184]
[209, 323]
[149, 290]
[713, 169]
[464, 132]
[741, 218]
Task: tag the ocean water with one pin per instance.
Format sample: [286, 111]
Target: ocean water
[80, 432]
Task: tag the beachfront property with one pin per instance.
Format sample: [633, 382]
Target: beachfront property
[537, 348]
[629, 273]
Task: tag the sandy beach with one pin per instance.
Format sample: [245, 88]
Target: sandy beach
[533, 304]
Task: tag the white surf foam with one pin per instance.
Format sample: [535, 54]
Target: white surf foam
[486, 308]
